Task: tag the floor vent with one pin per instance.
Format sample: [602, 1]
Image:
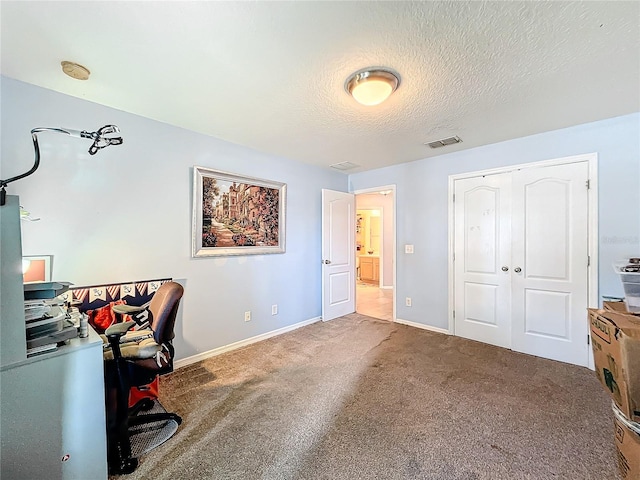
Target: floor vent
[444, 142]
[344, 166]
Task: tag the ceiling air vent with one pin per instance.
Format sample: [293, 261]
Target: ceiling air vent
[444, 142]
[344, 166]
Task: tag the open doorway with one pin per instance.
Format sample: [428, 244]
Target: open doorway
[375, 252]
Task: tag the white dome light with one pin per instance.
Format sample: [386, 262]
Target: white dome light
[373, 85]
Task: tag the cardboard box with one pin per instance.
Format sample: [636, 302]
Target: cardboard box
[615, 339]
[627, 439]
[619, 307]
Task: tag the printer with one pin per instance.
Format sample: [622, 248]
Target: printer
[46, 321]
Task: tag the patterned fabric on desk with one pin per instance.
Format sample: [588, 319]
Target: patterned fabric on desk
[97, 300]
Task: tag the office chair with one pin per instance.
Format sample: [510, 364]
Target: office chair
[133, 359]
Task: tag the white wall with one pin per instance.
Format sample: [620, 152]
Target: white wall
[125, 214]
[422, 199]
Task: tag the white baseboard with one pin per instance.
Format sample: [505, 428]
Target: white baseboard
[423, 326]
[183, 362]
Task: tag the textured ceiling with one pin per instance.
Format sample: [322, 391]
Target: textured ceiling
[270, 75]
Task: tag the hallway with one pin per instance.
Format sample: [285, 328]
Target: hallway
[374, 302]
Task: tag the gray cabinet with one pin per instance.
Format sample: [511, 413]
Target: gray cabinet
[52, 413]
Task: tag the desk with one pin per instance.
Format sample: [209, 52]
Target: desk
[53, 405]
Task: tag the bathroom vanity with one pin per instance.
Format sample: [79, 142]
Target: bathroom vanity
[370, 269]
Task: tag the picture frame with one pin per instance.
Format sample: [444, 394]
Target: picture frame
[236, 215]
[37, 268]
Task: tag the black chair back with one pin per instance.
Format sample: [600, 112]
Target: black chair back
[164, 309]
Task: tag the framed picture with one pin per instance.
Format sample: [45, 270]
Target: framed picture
[236, 215]
[37, 268]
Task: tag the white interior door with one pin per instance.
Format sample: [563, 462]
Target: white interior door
[550, 262]
[482, 235]
[521, 260]
[338, 254]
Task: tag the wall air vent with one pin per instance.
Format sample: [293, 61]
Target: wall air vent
[344, 166]
[444, 142]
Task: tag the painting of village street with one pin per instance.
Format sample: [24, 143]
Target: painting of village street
[236, 214]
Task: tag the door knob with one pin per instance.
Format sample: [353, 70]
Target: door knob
[517, 269]
[505, 269]
[327, 262]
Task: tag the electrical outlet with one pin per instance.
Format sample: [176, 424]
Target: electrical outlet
[247, 316]
[274, 309]
[408, 249]
[407, 301]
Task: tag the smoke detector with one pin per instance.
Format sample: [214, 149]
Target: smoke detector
[75, 70]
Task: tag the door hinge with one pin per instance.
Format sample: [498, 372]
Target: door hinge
[454, 198]
[588, 260]
[454, 314]
[588, 184]
[588, 339]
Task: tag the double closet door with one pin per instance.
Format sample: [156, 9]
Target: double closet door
[521, 260]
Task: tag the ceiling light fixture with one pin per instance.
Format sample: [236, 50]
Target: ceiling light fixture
[372, 85]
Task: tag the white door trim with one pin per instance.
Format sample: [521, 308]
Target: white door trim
[592, 160]
[393, 233]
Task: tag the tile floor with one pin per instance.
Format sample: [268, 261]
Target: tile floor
[374, 302]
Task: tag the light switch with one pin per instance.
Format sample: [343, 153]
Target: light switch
[408, 249]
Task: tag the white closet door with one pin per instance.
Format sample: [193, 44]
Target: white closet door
[482, 236]
[549, 262]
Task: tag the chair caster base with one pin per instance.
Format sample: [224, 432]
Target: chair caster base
[123, 466]
[146, 404]
[143, 405]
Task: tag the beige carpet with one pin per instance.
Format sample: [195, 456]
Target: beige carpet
[358, 398]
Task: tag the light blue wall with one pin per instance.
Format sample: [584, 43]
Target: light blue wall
[422, 196]
[125, 214]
